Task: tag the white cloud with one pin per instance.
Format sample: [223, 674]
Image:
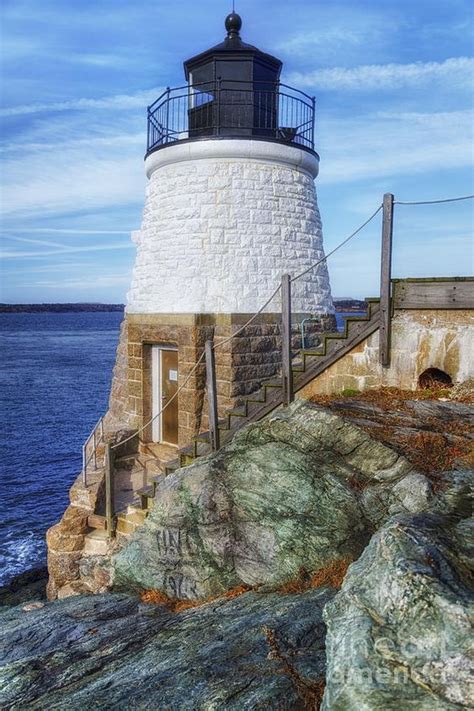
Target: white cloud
[458, 71]
[88, 171]
[331, 32]
[67, 250]
[97, 282]
[386, 144]
[34, 230]
[40, 242]
[118, 102]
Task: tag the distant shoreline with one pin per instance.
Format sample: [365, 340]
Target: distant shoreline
[341, 305]
[58, 308]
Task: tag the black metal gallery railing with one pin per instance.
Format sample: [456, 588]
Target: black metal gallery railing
[234, 109]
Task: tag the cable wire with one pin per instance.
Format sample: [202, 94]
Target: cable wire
[432, 202]
[242, 328]
[341, 244]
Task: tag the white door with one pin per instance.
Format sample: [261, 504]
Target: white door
[164, 380]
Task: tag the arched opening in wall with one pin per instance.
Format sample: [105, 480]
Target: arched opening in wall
[434, 378]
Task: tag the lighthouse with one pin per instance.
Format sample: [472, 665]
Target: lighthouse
[230, 206]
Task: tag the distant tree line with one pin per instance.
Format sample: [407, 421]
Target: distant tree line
[58, 308]
[339, 304]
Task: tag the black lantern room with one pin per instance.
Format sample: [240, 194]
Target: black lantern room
[233, 90]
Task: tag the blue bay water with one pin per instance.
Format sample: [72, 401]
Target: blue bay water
[55, 376]
[56, 370]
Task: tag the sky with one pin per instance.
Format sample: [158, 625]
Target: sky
[393, 82]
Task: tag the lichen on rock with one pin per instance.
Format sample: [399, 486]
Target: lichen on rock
[400, 630]
[289, 492]
[111, 651]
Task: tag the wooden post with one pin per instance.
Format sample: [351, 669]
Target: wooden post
[109, 491]
[287, 373]
[212, 396]
[385, 280]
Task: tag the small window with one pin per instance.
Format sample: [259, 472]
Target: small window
[434, 378]
[199, 93]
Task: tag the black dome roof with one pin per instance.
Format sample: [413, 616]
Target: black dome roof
[231, 45]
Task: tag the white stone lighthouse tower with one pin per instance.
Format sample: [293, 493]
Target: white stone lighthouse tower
[230, 206]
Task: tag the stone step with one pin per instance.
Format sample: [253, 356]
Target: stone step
[136, 515]
[172, 466]
[96, 543]
[124, 526]
[272, 384]
[240, 411]
[153, 483]
[155, 467]
[96, 521]
[148, 491]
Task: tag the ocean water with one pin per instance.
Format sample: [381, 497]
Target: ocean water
[55, 374]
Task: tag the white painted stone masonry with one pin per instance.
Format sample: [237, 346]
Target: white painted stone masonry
[223, 220]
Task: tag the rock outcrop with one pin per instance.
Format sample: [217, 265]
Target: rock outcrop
[400, 630]
[111, 651]
[298, 490]
[281, 509]
[26, 587]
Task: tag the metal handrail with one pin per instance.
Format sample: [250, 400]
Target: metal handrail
[232, 108]
[97, 435]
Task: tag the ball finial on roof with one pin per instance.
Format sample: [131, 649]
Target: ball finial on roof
[233, 23]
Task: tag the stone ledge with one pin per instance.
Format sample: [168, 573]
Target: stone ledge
[241, 150]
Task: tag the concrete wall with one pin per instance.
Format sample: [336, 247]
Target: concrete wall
[421, 339]
[223, 220]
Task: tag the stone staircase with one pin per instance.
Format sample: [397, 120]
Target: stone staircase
[307, 365]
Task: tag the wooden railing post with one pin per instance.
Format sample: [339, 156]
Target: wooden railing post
[212, 396]
[109, 491]
[287, 373]
[385, 280]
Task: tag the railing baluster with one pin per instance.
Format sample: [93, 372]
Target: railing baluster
[84, 465]
[109, 491]
[218, 127]
[287, 373]
[216, 107]
[167, 125]
[94, 441]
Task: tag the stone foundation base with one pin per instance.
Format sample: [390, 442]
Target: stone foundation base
[253, 355]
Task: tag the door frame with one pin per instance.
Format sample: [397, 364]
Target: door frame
[156, 391]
